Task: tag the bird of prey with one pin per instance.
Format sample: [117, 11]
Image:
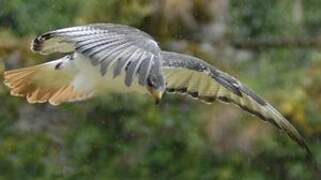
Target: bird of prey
[102, 58]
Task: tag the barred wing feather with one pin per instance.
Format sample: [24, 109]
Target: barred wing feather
[107, 45]
[189, 75]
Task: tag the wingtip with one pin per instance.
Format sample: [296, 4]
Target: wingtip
[37, 43]
[309, 156]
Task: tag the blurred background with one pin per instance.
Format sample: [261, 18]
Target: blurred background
[272, 46]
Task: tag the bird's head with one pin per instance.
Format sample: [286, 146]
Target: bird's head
[156, 86]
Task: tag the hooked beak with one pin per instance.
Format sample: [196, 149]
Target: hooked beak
[157, 95]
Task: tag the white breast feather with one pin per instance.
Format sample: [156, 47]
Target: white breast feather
[89, 77]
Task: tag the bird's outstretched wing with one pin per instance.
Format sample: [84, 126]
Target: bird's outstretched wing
[121, 47]
[190, 75]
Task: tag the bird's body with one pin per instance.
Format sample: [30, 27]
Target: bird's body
[106, 58]
[90, 79]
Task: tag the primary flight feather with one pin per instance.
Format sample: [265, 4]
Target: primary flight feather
[106, 58]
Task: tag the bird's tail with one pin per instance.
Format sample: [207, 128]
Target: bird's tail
[49, 82]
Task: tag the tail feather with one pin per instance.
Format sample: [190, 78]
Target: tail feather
[44, 83]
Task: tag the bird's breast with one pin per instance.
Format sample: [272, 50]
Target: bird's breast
[89, 76]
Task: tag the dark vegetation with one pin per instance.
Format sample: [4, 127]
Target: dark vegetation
[127, 136]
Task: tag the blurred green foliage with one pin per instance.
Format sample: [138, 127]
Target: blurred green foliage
[127, 137]
[131, 12]
[25, 17]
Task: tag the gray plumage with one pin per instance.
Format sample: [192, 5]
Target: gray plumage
[229, 90]
[124, 48]
[105, 45]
